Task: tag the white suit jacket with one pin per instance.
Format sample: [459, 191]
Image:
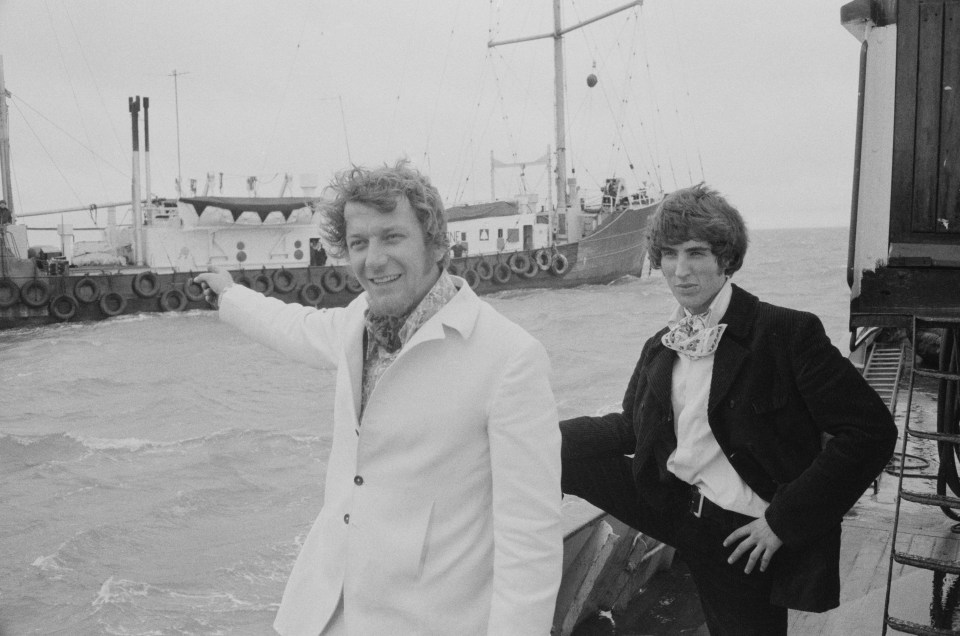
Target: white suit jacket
[441, 510]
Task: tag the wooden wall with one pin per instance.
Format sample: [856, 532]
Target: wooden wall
[925, 194]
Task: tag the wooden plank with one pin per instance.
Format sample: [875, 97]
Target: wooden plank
[617, 571]
[949, 189]
[901, 191]
[644, 562]
[580, 576]
[869, 565]
[927, 152]
[909, 291]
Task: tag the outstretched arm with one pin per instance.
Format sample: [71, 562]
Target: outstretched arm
[312, 336]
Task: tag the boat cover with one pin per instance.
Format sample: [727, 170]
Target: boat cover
[261, 206]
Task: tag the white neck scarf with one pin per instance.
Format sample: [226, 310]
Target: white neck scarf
[698, 336]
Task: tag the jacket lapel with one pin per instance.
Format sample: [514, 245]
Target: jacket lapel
[653, 421]
[660, 373]
[732, 351]
[354, 353]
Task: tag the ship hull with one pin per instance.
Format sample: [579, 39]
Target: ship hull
[30, 297]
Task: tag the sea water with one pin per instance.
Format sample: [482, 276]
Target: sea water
[158, 473]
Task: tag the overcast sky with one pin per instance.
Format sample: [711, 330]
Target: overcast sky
[757, 97]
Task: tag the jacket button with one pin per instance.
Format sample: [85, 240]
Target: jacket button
[733, 403]
[358, 480]
[346, 518]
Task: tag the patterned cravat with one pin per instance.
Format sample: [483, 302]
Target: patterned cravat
[385, 330]
[692, 338]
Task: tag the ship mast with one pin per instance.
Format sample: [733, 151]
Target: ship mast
[5, 143]
[560, 114]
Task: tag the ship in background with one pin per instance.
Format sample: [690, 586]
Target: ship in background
[274, 246]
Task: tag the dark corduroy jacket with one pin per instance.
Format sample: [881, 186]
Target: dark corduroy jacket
[796, 420]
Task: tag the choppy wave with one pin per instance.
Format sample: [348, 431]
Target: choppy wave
[159, 472]
[18, 452]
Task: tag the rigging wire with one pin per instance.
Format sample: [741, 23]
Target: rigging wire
[56, 167]
[286, 87]
[407, 58]
[619, 112]
[96, 86]
[18, 100]
[686, 90]
[440, 93]
[605, 89]
[626, 121]
[505, 71]
[469, 148]
[656, 106]
[73, 90]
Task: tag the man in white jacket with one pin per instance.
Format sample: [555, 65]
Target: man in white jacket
[441, 509]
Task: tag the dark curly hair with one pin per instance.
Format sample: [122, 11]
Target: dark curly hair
[699, 213]
[381, 188]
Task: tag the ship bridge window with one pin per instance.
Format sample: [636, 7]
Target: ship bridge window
[484, 235]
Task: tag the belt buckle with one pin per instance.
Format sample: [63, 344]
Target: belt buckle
[696, 504]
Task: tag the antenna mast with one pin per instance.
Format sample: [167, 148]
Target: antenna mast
[176, 102]
[560, 120]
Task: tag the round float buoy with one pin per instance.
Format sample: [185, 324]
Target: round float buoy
[502, 273]
[472, 278]
[112, 304]
[543, 260]
[311, 294]
[333, 280]
[519, 262]
[87, 290]
[591, 80]
[532, 269]
[146, 284]
[35, 293]
[173, 300]
[262, 283]
[9, 293]
[284, 281]
[484, 270]
[560, 265]
[63, 307]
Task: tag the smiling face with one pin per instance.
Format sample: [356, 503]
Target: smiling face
[693, 274]
[389, 256]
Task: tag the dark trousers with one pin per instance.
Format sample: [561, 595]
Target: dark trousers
[734, 603]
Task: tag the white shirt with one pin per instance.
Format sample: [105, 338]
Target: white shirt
[698, 459]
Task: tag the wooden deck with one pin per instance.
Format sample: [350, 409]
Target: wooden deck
[864, 562]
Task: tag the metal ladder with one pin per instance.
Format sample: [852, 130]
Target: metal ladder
[883, 370]
[946, 373]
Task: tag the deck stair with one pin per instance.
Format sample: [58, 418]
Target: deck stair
[883, 370]
[950, 374]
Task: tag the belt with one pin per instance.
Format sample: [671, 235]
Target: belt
[699, 506]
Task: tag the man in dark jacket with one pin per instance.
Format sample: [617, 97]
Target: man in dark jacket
[745, 435]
